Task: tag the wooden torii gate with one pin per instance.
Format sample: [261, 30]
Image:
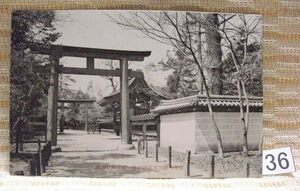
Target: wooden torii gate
[81, 101]
[57, 51]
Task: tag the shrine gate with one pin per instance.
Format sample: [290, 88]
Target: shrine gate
[57, 51]
[86, 102]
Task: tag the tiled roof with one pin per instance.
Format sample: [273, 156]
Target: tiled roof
[199, 101]
[77, 100]
[106, 120]
[131, 83]
[144, 117]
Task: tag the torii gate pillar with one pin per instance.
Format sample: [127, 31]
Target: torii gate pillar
[52, 102]
[126, 138]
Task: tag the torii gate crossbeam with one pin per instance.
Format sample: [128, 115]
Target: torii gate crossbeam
[58, 51]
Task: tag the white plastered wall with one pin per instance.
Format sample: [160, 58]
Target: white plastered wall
[178, 131]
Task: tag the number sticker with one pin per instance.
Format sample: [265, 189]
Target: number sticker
[278, 161]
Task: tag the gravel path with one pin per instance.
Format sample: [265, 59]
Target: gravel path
[97, 155]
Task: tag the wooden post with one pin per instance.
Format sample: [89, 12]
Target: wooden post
[50, 150]
[120, 107]
[21, 141]
[39, 144]
[62, 118]
[40, 159]
[115, 119]
[45, 155]
[43, 164]
[125, 123]
[31, 167]
[260, 149]
[45, 133]
[52, 102]
[146, 149]
[158, 132]
[17, 140]
[86, 117]
[156, 152]
[144, 135]
[55, 111]
[139, 145]
[247, 168]
[90, 64]
[55, 107]
[212, 166]
[170, 156]
[37, 164]
[187, 163]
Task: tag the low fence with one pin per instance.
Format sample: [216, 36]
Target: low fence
[29, 134]
[37, 164]
[209, 163]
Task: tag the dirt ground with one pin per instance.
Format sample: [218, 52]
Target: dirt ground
[97, 155]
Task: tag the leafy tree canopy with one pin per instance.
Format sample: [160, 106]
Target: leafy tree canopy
[28, 88]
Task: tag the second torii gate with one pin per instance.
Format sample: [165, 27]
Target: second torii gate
[57, 51]
[86, 102]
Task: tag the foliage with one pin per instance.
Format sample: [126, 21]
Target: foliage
[65, 92]
[77, 110]
[28, 88]
[183, 80]
[252, 71]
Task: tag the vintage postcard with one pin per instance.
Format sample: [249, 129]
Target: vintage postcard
[136, 94]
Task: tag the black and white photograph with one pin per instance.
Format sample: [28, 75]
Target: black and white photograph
[136, 94]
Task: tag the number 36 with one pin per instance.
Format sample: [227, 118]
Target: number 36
[282, 161]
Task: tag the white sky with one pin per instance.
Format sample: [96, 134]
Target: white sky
[94, 29]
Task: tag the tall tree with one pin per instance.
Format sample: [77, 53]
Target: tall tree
[242, 34]
[27, 87]
[213, 55]
[180, 30]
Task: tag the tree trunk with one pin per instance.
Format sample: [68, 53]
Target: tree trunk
[242, 116]
[246, 149]
[213, 56]
[211, 114]
[242, 90]
[200, 57]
